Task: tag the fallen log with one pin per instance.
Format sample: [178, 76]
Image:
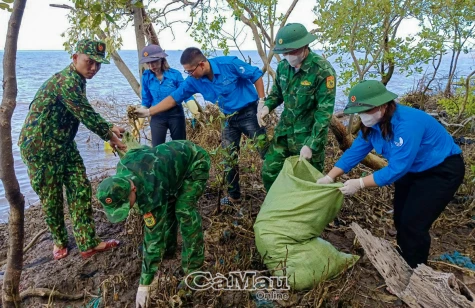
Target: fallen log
[344, 140]
[421, 287]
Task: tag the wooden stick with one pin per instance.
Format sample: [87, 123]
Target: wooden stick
[467, 270]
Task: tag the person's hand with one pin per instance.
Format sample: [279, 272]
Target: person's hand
[143, 294]
[116, 143]
[261, 113]
[118, 130]
[142, 112]
[325, 180]
[350, 187]
[262, 101]
[305, 153]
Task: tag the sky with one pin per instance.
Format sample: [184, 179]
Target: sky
[42, 26]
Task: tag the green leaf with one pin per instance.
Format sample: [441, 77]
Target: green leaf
[97, 21]
[96, 8]
[4, 6]
[8, 1]
[109, 18]
[83, 20]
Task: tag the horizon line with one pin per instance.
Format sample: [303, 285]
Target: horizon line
[2, 50]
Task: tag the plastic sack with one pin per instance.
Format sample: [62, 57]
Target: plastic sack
[293, 215]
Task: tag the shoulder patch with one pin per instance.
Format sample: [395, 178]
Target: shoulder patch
[305, 83]
[330, 82]
[149, 220]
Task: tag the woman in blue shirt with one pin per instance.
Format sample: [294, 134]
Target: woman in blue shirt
[424, 163]
[157, 83]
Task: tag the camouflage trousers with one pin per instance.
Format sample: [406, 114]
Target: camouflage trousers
[282, 147]
[182, 212]
[47, 177]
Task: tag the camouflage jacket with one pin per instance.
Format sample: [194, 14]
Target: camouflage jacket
[158, 174]
[308, 96]
[55, 113]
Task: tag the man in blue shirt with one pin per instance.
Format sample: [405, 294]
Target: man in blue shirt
[424, 163]
[236, 87]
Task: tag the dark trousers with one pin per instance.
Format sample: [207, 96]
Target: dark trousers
[160, 126]
[244, 122]
[419, 199]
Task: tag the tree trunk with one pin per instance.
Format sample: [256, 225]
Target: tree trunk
[123, 68]
[344, 140]
[418, 288]
[149, 30]
[139, 35]
[11, 295]
[391, 66]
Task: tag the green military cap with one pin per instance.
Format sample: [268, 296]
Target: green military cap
[292, 36]
[366, 95]
[113, 193]
[96, 50]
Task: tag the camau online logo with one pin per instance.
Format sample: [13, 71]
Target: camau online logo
[236, 281]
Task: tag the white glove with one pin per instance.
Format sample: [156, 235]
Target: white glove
[305, 153]
[350, 187]
[143, 295]
[261, 113]
[325, 180]
[142, 112]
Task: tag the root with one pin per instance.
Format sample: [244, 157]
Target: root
[43, 292]
[28, 247]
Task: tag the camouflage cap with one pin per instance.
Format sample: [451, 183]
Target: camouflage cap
[113, 193]
[96, 50]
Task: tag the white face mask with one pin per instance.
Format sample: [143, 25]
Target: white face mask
[370, 120]
[294, 60]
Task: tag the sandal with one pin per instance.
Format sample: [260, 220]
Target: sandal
[60, 253]
[230, 201]
[109, 245]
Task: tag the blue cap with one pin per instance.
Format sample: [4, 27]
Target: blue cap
[152, 53]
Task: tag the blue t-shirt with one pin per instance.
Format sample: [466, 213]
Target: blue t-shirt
[232, 87]
[154, 90]
[419, 143]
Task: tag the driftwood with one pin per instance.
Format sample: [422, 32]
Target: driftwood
[344, 140]
[421, 287]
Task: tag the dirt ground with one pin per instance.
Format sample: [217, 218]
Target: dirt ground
[110, 279]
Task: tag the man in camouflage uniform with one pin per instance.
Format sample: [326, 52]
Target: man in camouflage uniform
[166, 183]
[305, 83]
[49, 151]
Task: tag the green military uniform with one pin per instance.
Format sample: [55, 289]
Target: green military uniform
[308, 95]
[170, 179]
[49, 151]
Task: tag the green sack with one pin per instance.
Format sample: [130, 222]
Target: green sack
[295, 212]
